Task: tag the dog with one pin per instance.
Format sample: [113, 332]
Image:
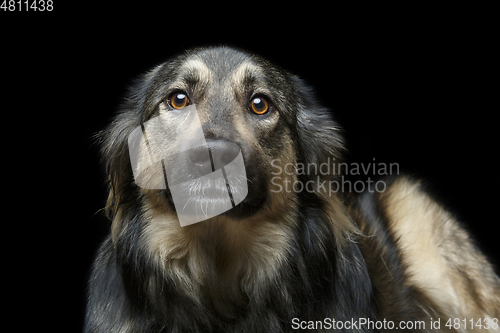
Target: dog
[272, 249]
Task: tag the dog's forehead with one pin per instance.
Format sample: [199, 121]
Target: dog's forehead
[220, 64]
[221, 60]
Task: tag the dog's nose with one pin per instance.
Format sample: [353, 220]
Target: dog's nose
[218, 155]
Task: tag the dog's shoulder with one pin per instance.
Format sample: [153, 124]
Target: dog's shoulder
[418, 254]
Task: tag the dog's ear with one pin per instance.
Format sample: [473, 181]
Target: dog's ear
[116, 160]
[320, 136]
[114, 144]
[321, 144]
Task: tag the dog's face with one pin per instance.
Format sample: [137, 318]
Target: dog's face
[244, 105]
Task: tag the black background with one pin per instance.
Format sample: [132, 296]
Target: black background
[415, 90]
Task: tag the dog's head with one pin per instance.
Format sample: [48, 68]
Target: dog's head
[195, 114]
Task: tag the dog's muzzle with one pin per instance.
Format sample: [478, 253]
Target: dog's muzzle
[205, 177]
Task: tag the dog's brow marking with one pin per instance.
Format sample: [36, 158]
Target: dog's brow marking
[200, 67]
[240, 74]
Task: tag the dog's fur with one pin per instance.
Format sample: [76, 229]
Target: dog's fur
[279, 255]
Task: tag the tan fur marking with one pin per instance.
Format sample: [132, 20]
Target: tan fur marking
[253, 249]
[200, 67]
[440, 256]
[241, 73]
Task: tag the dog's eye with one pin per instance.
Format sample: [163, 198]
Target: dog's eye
[259, 105]
[178, 100]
